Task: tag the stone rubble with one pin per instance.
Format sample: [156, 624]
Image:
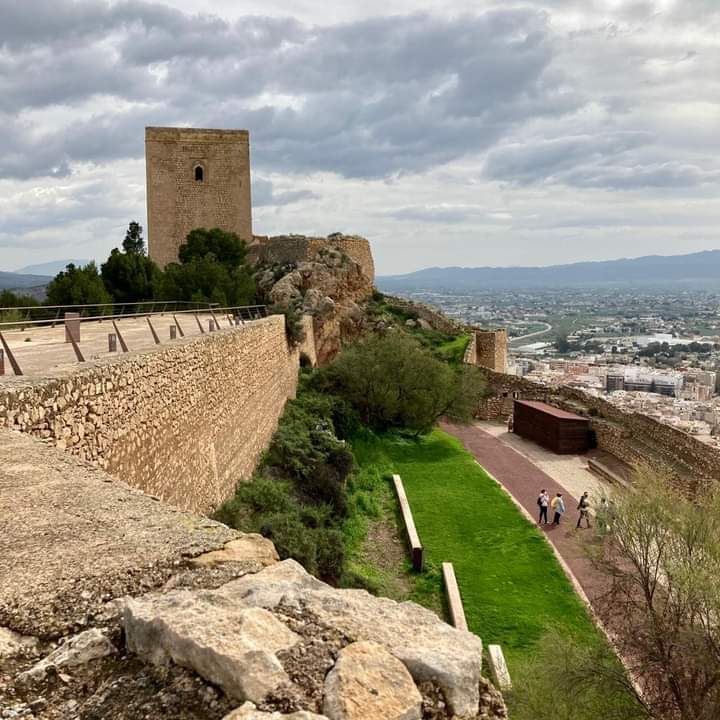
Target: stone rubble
[232, 636]
[249, 712]
[81, 649]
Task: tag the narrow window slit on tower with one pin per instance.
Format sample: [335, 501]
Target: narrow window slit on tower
[198, 173]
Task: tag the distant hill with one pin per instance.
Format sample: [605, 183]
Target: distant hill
[17, 281]
[50, 268]
[701, 269]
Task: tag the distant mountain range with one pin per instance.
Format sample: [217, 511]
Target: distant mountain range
[17, 281]
[701, 269]
[50, 268]
[35, 276]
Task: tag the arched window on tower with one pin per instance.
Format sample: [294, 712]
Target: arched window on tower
[199, 173]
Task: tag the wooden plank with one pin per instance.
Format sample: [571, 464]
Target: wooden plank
[416, 547]
[498, 668]
[452, 591]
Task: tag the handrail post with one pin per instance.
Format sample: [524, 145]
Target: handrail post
[13, 362]
[123, 346]
[152, 330]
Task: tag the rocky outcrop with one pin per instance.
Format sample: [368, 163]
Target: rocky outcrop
[324, 281]
[245, 636]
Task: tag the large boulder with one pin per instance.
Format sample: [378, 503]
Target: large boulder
[231, 645]
[429, 648]
[368, 682]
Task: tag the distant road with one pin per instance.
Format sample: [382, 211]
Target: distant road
[547, 329]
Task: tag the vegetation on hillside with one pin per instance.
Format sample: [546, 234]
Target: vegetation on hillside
[306, 488]
[212, 267]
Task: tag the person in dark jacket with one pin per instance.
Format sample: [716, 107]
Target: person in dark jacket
[584, 508]
[543, 501]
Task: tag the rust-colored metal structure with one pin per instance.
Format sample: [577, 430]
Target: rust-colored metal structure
[562, 432]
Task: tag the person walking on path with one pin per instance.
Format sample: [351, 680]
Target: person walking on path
[543, 501]
[584, 508]
[558, 505]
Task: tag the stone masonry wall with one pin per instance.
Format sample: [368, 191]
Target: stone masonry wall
[491, 349]
[184, 422]
[636, 439]
[178, 203]
[294, 249]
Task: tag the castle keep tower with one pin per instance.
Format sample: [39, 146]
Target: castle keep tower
[195, 178]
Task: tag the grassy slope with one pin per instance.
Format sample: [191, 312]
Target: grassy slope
[513, 588]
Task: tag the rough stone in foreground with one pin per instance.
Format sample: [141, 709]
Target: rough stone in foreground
[368, 682]
[12, 643]
[429, 648]
[78, 650]
[250, 548]
[249, 712]
[230, 645]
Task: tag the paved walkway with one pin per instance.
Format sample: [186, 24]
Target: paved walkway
[43, 350]
[524, 480]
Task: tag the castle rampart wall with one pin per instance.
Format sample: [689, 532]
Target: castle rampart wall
[635, 438]
[184, 422]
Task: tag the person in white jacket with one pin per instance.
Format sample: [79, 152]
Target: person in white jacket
[558, 505]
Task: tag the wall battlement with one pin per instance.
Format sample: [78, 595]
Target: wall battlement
[184, 422]
[294, 249]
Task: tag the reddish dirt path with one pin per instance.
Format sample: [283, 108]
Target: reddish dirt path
[523, 481]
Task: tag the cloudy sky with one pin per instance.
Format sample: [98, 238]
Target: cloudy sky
[448, 133]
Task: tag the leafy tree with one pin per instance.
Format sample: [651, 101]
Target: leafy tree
[133, 244]
[584, 679]
[130, 276]
[78, 286]
[9, 299]
[211, 269]
[661, 559]
[392, 381]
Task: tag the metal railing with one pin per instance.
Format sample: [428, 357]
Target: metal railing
[52, 314]
[73, 319]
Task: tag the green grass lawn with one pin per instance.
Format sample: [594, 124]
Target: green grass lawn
[513, 588]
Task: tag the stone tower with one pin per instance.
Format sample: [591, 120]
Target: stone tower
[491, 349]
[195, 178]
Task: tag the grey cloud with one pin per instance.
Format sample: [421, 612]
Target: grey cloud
[374, 98]
[265, 195]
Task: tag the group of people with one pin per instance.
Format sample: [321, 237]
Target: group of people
[557, 505]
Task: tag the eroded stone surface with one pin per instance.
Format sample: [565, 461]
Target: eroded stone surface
[228, 644]
[250, 548]
[428, 647]
[250, 712]
[367, 683]
[12, 643]
[79, 650]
